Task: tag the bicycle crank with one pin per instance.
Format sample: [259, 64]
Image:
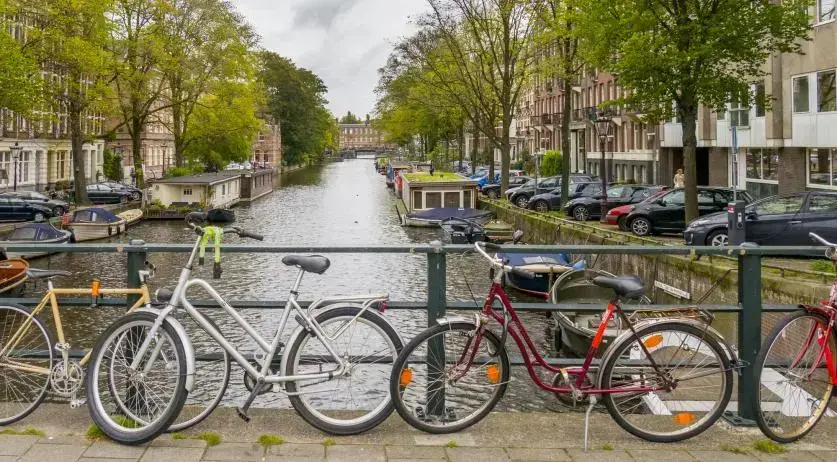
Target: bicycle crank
[66, 381]
[250, 383]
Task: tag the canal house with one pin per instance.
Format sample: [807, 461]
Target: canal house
[208, 190]
[256, 183]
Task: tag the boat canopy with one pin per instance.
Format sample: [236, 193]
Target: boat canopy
[450, 212]
[523, 259]
[95, 215]
[35, 232]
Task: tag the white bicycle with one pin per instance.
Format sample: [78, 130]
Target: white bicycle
[334, 368]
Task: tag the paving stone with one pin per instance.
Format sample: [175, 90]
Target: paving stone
[355, 453]
[65, 439]
[12, 445]
[828, 456]
[170, 454]
[790, 456]
[726, 456]
[168, 442]
[234, 452]
[609, 456]
[111, 450]
[415, 453]
[539, 454]
[303, 451]
[53, 453]
[96, 459]
[8, 458]
[666, 455]
[481, 454]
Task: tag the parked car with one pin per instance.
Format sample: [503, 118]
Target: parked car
[57, 207]
[589, 205]
[552, 200]
[616, 216]
[101, 194]
[493, 190]
[15, 209]
[667, 213]
[776, 220]
[520, 196]
[136, 193]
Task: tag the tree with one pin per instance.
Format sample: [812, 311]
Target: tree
[112, 168]
[674, 56]
[552, 163]
[20, 89]
[350, 118]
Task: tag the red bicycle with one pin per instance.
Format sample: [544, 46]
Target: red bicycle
[664, 379]
[796, 368]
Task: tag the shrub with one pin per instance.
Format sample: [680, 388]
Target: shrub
[552, 163]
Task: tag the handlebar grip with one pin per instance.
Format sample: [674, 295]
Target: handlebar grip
[491, 247]
[250, 235]
[522, 273]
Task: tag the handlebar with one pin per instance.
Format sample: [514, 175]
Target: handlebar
[831, 251]
[499, 264]
[229, 230]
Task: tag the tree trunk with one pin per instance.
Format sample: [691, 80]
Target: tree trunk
[461, 140]
[489, 154]
[177, 124]
[136, 146]
[475, 149]
[688, 116]
[565, 141]
[77, 144]
[505, 153]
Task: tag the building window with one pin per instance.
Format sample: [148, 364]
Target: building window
[800, 94]
[432, 200]
[762, 164]
[825, 10]
[187, 191]
[826, 95]
[821, 166]
[761, 99]
[739, 111]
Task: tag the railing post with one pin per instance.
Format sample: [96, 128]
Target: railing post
[137, 256]
[436, 308]
[749, 331]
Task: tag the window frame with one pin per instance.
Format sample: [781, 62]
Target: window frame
[794, 107]
[832, 153]
[833, 90]
[818, 21]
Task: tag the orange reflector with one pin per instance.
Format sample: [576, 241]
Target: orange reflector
[493, 373]
[94, 288]
[406, 377]
[653, 341]
[684, 418]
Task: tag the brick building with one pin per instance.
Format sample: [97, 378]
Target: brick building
[267, 149]
[363, 137]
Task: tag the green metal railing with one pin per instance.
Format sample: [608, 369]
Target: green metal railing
[749, 308]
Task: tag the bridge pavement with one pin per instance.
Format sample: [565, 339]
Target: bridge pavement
[501, 437]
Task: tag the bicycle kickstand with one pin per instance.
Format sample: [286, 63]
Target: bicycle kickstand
[587, 420]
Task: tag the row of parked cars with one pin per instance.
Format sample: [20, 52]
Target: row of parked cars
[35, 206]
[651, 209]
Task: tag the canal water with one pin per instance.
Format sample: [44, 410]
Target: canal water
[340, 204]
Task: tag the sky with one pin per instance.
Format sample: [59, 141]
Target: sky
[345, 42]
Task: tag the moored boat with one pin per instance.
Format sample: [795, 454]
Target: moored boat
[546, 267]
[131, 217]
[12, 273]
[432, 218]
[95, 223]
[35, 233]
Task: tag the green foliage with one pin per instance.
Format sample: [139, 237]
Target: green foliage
[186, 170]
[769, 447]
[437, 177]
[607, 447]
[19, 73]
[350, 118]
[822, 266]
[270, 440]
[179, 436]
[211, 438]
[452, 444]
[94, 433]
[329, 442]
[552, 163]
[734, 449]
[28, 431]
[112, 165]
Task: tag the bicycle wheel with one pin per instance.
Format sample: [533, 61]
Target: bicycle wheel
[21, 391]
[687, 355]
[132, 407]
[794, 384]
[442, 382]
[212, 376]
[357, 400]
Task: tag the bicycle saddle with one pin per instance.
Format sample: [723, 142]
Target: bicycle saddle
[625, 286]
[35, 273]
[316, 264]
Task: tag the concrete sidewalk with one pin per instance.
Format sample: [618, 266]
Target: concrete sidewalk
[501, 437]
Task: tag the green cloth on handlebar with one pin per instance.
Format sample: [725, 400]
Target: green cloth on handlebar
[215, 233]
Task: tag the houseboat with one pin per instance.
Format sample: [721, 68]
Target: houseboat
[394, 170]
[427, 199]
[207, 190]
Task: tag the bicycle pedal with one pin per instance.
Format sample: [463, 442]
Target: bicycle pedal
[77, 403]
[242, 414]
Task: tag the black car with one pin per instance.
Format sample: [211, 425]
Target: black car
[101, 194]
[493, 190]
[520, 196]
[136, 193]
[552, 199]
[15, 209]
[56, 206]
[668, 213]
[777, 220]
[589, 204]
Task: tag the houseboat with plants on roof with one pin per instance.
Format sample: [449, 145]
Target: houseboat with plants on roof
[428, 198]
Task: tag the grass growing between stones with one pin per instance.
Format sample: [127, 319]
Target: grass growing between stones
[94, 433]
[28, 431]
[270, 440]
[769, 447]
[607, 447]
[211, 438]
[329, 442]
[179, 436]
[735, 449]
[452, 444]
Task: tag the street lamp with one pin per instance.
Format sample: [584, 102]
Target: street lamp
[16, 155]
[165, 157]
[604, 128]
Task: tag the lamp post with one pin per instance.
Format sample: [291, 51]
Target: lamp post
[604, 127]
[15, 156]
[165, 157]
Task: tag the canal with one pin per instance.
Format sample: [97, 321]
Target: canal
[345, 203]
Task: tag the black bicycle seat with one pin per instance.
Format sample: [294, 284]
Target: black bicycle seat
[316, 264]
[630, 287]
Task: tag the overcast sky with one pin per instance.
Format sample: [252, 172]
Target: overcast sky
[342, 41]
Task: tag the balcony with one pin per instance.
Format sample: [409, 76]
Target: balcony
[535, 121]
[546, 119]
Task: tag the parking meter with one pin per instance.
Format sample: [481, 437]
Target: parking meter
[737, 222]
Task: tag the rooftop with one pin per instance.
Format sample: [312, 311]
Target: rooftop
[438, 177]
[203, 178]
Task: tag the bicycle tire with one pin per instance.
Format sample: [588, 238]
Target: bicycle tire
[225, 381]
[769, 427]
[306, 410]
[47, 336]
[688, 428]
[122, 432]
[397, 390]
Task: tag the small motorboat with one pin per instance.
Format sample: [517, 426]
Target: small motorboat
[498, 231]
[463, 231]
[432, 218]
[95, 223]
[131, 217]
[546, 267]
[35, 233]
[13, 273]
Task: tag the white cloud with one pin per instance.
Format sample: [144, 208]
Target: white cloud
[343, 41]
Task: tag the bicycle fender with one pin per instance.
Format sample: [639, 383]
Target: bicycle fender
[455, 319]
[187, 345]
